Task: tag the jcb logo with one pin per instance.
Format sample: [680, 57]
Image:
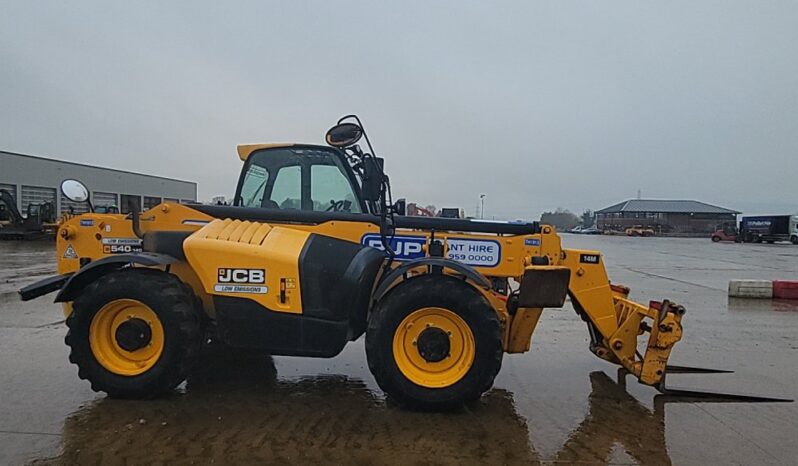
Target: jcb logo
[242, 275]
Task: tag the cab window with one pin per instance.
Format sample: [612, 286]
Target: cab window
[286, 192]
[331, 191]
[298, 178]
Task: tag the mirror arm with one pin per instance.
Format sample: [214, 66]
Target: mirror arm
[135, 218]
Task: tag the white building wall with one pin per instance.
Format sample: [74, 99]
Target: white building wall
[20, 170]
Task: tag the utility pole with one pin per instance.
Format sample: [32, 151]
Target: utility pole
[482, 210]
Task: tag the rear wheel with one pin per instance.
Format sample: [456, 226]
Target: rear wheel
[134, 333]
[794, 239]
[715, 238]
[434, 343]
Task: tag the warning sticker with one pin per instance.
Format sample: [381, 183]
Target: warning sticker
[70, 253]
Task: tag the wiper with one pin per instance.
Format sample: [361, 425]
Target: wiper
[255, 194]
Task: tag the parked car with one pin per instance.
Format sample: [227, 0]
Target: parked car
[585, 231]
[591, 231]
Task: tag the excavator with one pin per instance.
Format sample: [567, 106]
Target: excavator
[35, 224]
[314, 254]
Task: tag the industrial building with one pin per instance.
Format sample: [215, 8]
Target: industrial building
[683, 217]
[35, 180]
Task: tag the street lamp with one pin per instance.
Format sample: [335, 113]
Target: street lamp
[482, 208]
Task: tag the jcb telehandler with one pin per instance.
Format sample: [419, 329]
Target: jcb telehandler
[312, 255]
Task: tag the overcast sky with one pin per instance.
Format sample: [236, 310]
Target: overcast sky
[535, 104]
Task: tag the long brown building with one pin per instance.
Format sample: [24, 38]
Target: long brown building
[665, 216]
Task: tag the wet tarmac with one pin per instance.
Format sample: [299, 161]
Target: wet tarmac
[557, 403]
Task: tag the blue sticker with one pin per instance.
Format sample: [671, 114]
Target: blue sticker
[474, 252]
[532, 242]
[406, 247]
[87, 222]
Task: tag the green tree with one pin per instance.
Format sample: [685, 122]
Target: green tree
[561, 219]
[588, 218]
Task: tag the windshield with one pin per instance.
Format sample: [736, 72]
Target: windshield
[298, 178]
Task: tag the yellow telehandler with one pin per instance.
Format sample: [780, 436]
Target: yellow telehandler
[313, 254]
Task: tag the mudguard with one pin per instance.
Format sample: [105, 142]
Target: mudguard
[43, 287]
[468, 271]
[98, 268]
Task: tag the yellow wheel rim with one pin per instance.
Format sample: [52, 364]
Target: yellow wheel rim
[105, 343]
[441, 370]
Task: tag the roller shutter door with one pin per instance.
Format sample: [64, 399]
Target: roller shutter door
[105, 199]
[36, 195]
[11, 188]
[150, 202]
[126, 199]
[73, 207]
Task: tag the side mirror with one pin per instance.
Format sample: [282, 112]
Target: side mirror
[74, 190]
[400, 207]
[372, 179]
[343, 135]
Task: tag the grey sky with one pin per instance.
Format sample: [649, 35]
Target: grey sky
[537, 104]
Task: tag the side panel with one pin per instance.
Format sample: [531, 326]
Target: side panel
[243, 323]
[337, 278]
[590, 287]
[92, 236]
[249, 260]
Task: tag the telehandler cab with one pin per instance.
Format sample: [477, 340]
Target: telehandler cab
[312, 255]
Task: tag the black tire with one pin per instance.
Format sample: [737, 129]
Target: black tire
[179, 312]
[434, 291]
[794, 239]
[715, 238]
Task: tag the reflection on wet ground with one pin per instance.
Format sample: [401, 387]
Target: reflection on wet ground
[554, 404]
[236, 410]
[760, 305]
[615, 417]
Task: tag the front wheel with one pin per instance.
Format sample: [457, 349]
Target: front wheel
[794, 239]
[715, 239]
[134, 333]
[434, 343]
